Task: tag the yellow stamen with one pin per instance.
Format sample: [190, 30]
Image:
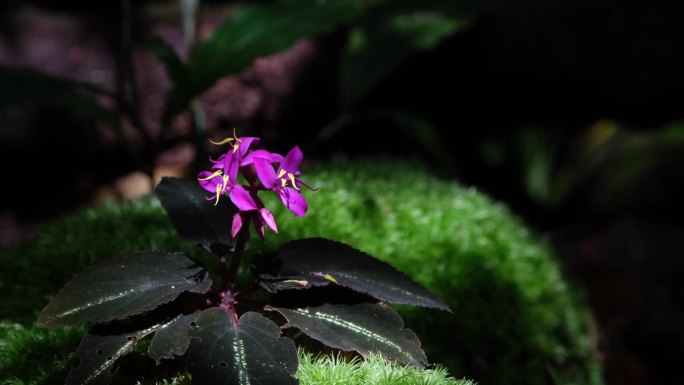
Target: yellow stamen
[283, 182]
[281, 173]
[298, 282]
[219, 187]
[215, 174]
[330, 278]
[224, 141]
[292, 179]
[237, 141]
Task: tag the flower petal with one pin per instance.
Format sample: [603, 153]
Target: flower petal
[263, 154]
[294, 201]
[292, 160]
[265, 172]
[231, 166]
[241, 198]
[237, 225]
[268, 219]
[244, 144]
[209, 184]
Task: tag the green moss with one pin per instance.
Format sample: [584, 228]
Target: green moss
[331, 370]
[36, 355]
[515, 318]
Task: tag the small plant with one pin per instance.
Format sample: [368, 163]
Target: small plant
[328, 290]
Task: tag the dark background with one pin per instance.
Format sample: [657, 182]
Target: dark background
[568, 111]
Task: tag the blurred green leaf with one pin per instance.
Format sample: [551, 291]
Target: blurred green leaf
[388, 35]
[25, 87]
[256, 30]
[175, 68]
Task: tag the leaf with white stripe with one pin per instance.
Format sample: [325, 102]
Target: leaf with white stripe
[366, 328]
[311, 262]
[251, 352]
[98, 353]
[124, 286]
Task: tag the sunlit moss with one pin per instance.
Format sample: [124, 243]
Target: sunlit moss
[515, 319]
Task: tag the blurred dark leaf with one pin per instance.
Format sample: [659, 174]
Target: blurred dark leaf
[123, 286]
[366, 328]
[388, 35]
[25, 87]
[251, 352]
[256, 30]
[318, 261]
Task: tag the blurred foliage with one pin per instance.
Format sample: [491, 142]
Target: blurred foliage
[390, 33]
[255, 30]
[27, 87]
[516, 319]
[608, 169]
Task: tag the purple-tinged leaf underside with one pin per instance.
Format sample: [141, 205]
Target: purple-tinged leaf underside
[304, 263]
[98, 353]
[249, 353]
[365, 328]
[172, 338]
[195, 218]
[124, 286]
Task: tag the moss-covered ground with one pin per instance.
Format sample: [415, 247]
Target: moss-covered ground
[515, 320]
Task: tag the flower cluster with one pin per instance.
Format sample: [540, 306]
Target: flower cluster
[261, 170]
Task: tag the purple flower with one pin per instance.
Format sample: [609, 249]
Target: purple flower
[223, 175]
[285, 181]
[222, 178]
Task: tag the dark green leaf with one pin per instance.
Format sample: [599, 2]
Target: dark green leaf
[98, 353]
[172, 338]
[195, 218]
[255, 31]
[316, 261]
[25, 87]
[366, 328]
[123, 286]
[175, 68]
[388, 35]
[251, 352]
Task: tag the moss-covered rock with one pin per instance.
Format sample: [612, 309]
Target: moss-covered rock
[515, 319]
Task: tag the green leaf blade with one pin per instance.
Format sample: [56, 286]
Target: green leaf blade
[251, 352]
[196, 219]
[365, 328]
[256, 30]
[319, 261]
[124, 286]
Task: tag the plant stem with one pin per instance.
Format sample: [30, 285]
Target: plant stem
[223, 266]
[242, 237]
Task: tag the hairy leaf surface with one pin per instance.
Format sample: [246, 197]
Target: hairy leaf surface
[98, 353]
[365, 328]
[196, 219]
[123, 286]
[251, 352]
[316, 261]
[172, 338]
